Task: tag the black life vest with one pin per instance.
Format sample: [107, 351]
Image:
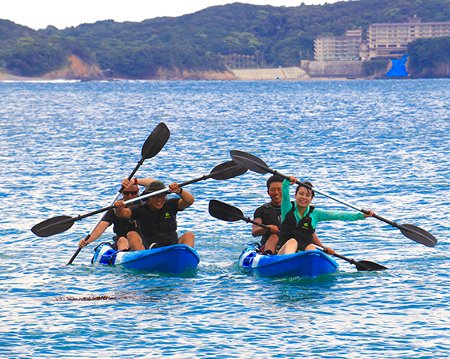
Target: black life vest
[302, 231]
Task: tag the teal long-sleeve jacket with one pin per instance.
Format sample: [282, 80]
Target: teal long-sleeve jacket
[318, 215]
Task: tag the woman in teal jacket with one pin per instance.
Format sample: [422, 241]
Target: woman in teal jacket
[299, 219]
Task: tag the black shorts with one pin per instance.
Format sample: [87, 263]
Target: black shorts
[151, 244]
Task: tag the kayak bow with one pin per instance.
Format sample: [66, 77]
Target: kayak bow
[173, 260]
[309, 264]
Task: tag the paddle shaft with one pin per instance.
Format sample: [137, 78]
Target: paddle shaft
[352, 261]
[237, 213]
[249, 220]
[262, 225]
[360, 265]
[104, 209]
[204, 177]
[394, 224]
[57, 224]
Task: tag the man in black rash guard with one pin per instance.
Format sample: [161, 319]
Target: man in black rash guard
[156, 217]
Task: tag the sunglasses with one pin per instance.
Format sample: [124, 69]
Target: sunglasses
[126, 193]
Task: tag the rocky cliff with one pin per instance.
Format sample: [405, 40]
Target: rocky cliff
[76, 69]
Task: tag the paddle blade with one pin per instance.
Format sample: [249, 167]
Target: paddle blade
[368, 266]
[249, 161]
[418, 234]
[227, 170]
[155, 141]
[224, 211]
[53, 226]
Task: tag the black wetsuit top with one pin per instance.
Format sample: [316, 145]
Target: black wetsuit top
[157, 227]
[121, 226]
[269, 214]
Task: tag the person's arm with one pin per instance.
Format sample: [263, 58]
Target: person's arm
[186, 199]
[260, 231]
[286, 204]
[143, 181]
[327, 215]
[137, 181]
[318, 242]
[98, 231]
[257, 217]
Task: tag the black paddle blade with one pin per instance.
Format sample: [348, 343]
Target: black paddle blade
[249, 161]
[155, 141]
[227, 170]
[224, 211]
[53, 226]
[418, 234]
[368, 266]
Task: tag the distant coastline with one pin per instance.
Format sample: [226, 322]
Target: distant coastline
[238, 41]
[265, 74]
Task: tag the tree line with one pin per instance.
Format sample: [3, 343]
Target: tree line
[205, 40]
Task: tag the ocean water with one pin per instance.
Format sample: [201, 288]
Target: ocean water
[380, 145]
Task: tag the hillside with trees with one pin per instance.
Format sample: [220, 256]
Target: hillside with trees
[207, 40]
[429, 57]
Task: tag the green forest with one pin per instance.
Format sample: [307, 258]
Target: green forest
[208, 39]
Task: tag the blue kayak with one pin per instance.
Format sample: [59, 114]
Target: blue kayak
[308, 264]
[175, 259]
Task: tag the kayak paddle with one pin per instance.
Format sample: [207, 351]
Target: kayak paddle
[151, 147]
[60, 224]
[230, 213]
[257, 165]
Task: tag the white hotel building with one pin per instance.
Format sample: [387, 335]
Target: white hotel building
[391, 40]
[388, 40]
[338, 48]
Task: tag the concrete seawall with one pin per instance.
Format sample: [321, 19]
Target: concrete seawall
[350, 69]
[277, 73]
[308, 70]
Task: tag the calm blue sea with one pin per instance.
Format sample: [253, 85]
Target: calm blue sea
[381, 145]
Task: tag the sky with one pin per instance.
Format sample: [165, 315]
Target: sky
[38, 14]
